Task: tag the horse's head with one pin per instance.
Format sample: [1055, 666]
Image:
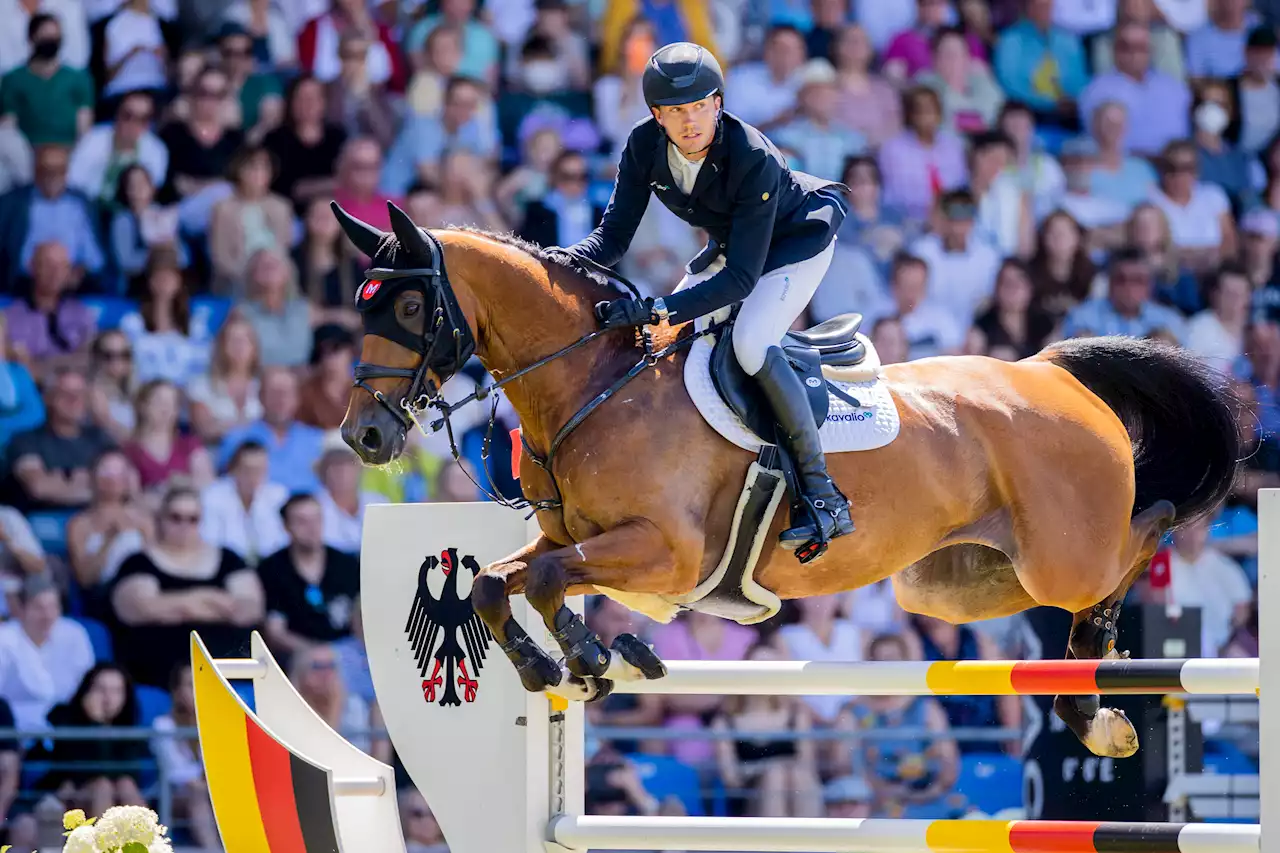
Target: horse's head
[415, 334]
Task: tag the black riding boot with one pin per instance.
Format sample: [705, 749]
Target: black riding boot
[798, 431]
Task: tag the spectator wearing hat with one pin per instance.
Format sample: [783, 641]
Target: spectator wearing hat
[43, 654]
[962, 265]
[1166, 44]
[326, 390]
[48, 100]
[765, 92]
[1041, 64]
[1257, 91]
[310, 588]
[293, 446]
[1217, 48]
[1127, 308]
[1158, 106]
[911, 51]
[971, 100]
[106, 150]
[822, 145]
[923, 160]
[1113, 174]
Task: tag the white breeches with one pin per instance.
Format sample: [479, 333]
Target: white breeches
[769, 310]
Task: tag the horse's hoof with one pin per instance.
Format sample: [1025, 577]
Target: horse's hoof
[584, 689]
[537, 669]
[639, 656]
[1111, 735]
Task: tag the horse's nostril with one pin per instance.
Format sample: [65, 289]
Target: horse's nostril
[371, 439]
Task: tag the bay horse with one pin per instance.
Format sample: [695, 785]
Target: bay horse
[1044, 482]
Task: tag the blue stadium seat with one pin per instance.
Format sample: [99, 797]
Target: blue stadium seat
[209, 312]
[109, 310]
[51, 529]
[1224, 757]
[991, 781]
[152, 702]
[99, 637]
[664, 777]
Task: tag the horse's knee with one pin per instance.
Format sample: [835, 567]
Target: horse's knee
[545, 584]
[489, 598]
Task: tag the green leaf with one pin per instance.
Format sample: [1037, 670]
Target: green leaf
[134, 847]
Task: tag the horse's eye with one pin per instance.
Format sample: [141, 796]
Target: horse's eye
[412, 309]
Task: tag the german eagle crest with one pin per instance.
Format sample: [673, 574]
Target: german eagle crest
[453, 621]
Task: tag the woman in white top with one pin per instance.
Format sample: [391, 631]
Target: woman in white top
[112, 527]
[113, 384]
[342, 501]
[821, 635]
[136, 56]
[1199, 213]
[166, 343]
[1005, 217]
[1217, 333]
[228, 395]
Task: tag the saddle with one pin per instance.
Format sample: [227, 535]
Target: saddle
[830, 344]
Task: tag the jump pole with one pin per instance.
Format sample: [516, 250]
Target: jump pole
[503, 769]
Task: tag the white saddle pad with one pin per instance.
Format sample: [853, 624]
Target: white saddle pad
[873, 424]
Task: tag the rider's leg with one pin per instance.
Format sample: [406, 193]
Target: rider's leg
[765, 317]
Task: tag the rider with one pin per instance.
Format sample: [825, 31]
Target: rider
[772, 235]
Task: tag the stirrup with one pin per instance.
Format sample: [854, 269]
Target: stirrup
[816, 544]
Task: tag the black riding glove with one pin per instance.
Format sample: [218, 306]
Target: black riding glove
[620, 313]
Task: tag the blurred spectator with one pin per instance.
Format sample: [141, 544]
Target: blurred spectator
[21, 554]
[305, 146]
[1158, 106]
[45, 654]
[866, 103]
[1061, 270]
[49, 212]
[942, 641]
[436, 64]
[179, 763]
[821, 635]
[1184, 15]
[480, 51]
[616, 95]
[673, 20]
[1005, 216]
[21, 406]
[923, 160]
[1259, 241]
[881, 231]
[822, 145]
[962, 265]
[22, 21]
[911, 51]
[909, 774]
[242, 509]
[314, 673]
[134, 51]
[1128, 307]
[140, 225]
[106, 151]
[466, 192]
[293, 446]
[112, 383]
[250, 219]
[356, 188]
[1115, 175]
[48, 327]
[1261, 369]
[48, 101]
[776, 776]
[1036, 170]
[201, 151]
[883, 21]
[609, 619]
[1257, 92]
[1269, 198]
[542, 71]
[1202, 576]
[51, 462]
[113, 525]
[1148, 231]
[765, 92]
[326, 390]
[229, 396]
[21, 830]
[1013, 327]
[272, 35]
[179, 584]
[328, 270]
[310, 587]
[1166, 44]
[975, 20]
[1216, 334]
[342, 499]
[927, 327]
[256, 104]
[1085, 19]
[353, 658]
[1217, 48]
[95, 774]
[167, 344]
[530, 180]
[159, 450]
[1041, 65]
[565, 214]
[318, 45]
[356, 104]
[614, 787]
[848, 797]
[971, 100]
[280, 316]
[1221, 162]
[421, 831]
[425, 141]
[1199, 212]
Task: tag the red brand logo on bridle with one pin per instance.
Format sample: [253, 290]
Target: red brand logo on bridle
[371, 288]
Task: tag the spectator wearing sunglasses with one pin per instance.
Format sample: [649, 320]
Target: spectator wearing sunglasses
[105, 151]
[565, 214]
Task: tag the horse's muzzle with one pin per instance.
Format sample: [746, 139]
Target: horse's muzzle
[376, 438]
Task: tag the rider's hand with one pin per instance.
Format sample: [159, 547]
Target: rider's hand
[621, 313]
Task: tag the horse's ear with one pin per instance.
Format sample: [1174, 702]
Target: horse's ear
[409, 235]
[365, 237]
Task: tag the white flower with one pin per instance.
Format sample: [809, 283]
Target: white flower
[160, 845]
[82, 839]
[121, 825]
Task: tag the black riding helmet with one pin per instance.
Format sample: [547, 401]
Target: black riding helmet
[681, 73]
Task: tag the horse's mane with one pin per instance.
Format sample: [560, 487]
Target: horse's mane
[563, 260]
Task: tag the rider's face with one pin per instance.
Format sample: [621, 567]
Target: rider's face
[690, 126]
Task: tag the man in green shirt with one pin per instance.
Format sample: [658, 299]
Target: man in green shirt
[50, 103]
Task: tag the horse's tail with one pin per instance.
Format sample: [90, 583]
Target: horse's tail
[1180, 414]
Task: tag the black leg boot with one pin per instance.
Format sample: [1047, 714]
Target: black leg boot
[828, 508]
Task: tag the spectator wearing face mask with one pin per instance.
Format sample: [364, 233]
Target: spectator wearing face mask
[17, 46]
[1221, 162]
[47, 100]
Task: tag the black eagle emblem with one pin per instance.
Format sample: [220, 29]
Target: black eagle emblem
[453, 621]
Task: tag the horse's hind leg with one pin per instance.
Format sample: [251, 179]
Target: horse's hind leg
[490, 595]
[1107, 731]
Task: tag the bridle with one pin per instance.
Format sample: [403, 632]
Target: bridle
[445, 345]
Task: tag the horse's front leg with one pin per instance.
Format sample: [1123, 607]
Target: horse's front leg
[491, 597]
[634, 557]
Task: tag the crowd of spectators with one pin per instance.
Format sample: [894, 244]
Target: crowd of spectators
[177, 336]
